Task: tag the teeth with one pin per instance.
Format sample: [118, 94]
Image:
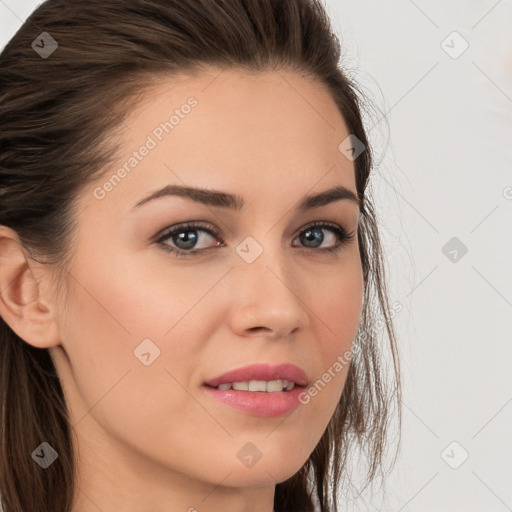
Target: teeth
[270, 386]
[290, 385]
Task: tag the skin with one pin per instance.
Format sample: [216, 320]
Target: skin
[147, 437]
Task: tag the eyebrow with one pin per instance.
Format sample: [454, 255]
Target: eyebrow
[220, 199]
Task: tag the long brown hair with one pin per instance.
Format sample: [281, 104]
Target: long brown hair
[58, 114]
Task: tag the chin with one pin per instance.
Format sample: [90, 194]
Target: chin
[270, 471]
[265, 476]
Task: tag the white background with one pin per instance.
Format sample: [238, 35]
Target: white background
[445, 162]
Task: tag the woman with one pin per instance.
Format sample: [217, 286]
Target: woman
[190, 271]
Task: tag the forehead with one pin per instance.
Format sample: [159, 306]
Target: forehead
[233, 130]
[231, 100]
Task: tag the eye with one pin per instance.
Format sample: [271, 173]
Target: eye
[185, 237]
[313, 235]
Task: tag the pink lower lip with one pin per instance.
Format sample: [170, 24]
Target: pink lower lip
[258, 403]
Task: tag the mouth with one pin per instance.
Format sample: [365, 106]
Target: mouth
[262, 377]
[259, 386]
[260, 389]
[256, 402]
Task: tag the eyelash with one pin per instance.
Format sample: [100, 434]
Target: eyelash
[341, 234]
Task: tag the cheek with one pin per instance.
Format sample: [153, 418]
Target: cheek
[342, 308]
[113, 308]
[108, 316]
[338, 304]
[337, 312]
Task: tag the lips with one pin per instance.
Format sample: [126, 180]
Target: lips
[262, 371]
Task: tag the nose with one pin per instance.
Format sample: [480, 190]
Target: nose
[266, 298]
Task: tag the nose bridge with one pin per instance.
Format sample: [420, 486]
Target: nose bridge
[266, 287]
[266, 260]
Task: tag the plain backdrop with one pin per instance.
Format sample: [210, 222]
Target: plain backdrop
[439, 73]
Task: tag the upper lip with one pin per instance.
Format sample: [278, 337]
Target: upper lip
[262, 371]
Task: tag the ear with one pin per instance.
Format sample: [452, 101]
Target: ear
[23, 305]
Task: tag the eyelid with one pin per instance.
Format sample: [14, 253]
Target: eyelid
[183, 226]
[210, 227]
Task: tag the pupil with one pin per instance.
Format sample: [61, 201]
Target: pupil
[184, 236]
[317, 236]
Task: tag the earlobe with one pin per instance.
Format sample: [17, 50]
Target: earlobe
[23, 306]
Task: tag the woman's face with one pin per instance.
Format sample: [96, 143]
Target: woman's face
[144, 329]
